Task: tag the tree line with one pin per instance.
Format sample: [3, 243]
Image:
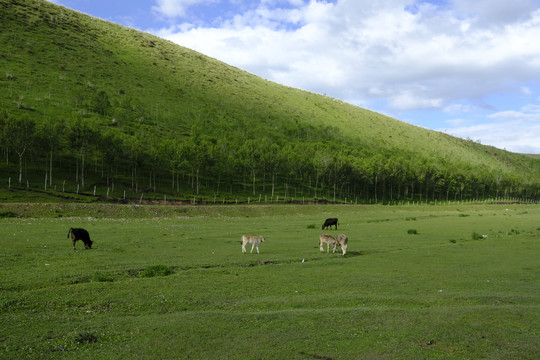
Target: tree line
[236, 165]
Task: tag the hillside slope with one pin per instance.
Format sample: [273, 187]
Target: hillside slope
[151, 116]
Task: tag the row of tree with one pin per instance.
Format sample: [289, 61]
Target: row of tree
[202, 164]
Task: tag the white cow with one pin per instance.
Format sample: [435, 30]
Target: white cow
[254, 240]
[328, 240]
[342, 241]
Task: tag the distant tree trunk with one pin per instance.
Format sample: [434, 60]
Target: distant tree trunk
[197, 182]
[375, 187]
[21, 153]
[46, 170]
[50, 168]
[82, 170]
[218, 183]
[253, 172]
[274, 184]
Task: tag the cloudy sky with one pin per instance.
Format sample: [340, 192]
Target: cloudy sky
[467, 68]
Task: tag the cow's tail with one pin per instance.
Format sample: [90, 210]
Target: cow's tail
[69, 232]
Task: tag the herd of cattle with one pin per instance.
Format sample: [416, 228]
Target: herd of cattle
[340, 240]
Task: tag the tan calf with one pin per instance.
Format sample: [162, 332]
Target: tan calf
[254, 240]
[342, 241]
[328, 240]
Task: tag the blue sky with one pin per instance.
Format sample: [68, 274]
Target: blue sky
[467, 68]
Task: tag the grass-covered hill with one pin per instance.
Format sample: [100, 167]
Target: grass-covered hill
[91, 109]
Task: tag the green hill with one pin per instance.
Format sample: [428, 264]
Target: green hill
[93, 110]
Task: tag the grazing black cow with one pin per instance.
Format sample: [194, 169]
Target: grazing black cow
[329, 223]
[80, 234]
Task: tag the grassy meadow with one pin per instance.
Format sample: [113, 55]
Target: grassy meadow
[170, 282]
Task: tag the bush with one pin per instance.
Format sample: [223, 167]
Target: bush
[312, 226]
[85, 338]
[156, 270]
[476, 236]
[412, 231]
[7, 214]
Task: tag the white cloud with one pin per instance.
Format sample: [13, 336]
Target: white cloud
[175, 8]
[517, 131]
[529, 114]
[496, 12]
[457, 108]
[513, 136]
[456, 122]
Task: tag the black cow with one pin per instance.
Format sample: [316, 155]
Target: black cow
[80, 234]
[329, 223]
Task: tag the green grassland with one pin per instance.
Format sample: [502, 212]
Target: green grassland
[170, 282]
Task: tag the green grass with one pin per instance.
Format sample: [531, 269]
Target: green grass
[437, 294]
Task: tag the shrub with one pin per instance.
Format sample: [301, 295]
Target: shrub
[312, 226]
[412, 231]
[156, 270]
[85, 338]
[476, 236]
[7, 214]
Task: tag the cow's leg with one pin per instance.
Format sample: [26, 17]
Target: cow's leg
[244, 248]
[252, 246]
[73, 242]
[257, 246]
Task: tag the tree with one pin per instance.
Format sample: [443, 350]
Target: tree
[250, 154]
[101, 103]
[82, 135]
[111, 144]
[51, 132]
[270, 159]
[19, 135]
